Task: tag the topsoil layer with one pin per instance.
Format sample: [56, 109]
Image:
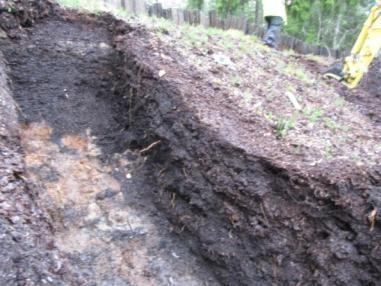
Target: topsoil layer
[252, 221]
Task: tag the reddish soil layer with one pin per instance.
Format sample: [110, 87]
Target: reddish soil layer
[253, 221]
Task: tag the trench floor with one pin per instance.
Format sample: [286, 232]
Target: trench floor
[95, 190]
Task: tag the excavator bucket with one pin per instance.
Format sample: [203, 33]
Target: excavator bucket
[366, 48]
[335, 71]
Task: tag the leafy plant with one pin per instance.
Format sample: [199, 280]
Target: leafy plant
[294, 71]
[333, 125]
[313, 114]
[269, 117]
[236, 81]
[283, 125]
[247, 97]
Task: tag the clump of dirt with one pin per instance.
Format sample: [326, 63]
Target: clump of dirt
[109, 109]
[16, 14]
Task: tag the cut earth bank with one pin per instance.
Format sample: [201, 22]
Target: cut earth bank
[100, 121]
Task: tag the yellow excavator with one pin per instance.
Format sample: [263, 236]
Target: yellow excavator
[366, 48]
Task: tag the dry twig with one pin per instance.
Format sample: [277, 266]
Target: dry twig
[150, 147]
[372, 219]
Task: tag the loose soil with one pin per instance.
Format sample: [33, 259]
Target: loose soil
[367, 96]
[135, 170]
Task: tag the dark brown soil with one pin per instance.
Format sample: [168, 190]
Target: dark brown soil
[27, 250]
[368, 94]
[251, 220]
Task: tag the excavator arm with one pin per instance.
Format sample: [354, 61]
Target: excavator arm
[363, 52]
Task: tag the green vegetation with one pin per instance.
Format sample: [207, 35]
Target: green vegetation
[236, 81]
[332, 23]
[247, 97]
[91, 5]
[328, 152]
[284, 125]
[95, 6]
[269, 117]
[334, 126]
[297, 72]
[225, 7]
[196, 4]
[313, 114]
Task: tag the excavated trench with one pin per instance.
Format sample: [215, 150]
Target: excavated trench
[92, 186]
[138, 191]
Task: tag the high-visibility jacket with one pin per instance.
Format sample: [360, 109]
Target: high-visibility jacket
[275, 8]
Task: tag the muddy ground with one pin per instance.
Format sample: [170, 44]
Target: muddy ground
[367, 96]
[112, 177]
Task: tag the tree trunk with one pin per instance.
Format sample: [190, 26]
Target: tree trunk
[258, 14]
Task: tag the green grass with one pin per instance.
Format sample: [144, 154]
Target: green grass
[236, 81]
[247, 97]
[299, 73]
[328, 152]
[284, 125]
[313, 114]
[95, 6]
[91, 5]
[334, 126]
[195, 35]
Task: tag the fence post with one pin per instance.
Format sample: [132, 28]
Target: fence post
[179, 16]
[175, 17]
[130, 5]
[141, 7]
[158, 10]
[204, 19]
[212, 19]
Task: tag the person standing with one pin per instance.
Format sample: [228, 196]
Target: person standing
[274, 12]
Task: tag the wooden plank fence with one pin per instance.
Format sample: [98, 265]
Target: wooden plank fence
[212, 19]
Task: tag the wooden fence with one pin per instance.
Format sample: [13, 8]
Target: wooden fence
[212, 19]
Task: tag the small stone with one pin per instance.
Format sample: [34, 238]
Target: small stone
[104, 46]
[3, 34]
[9, 188]
[174, 254]
[15, 219]
[162, 73]
[128, 176]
